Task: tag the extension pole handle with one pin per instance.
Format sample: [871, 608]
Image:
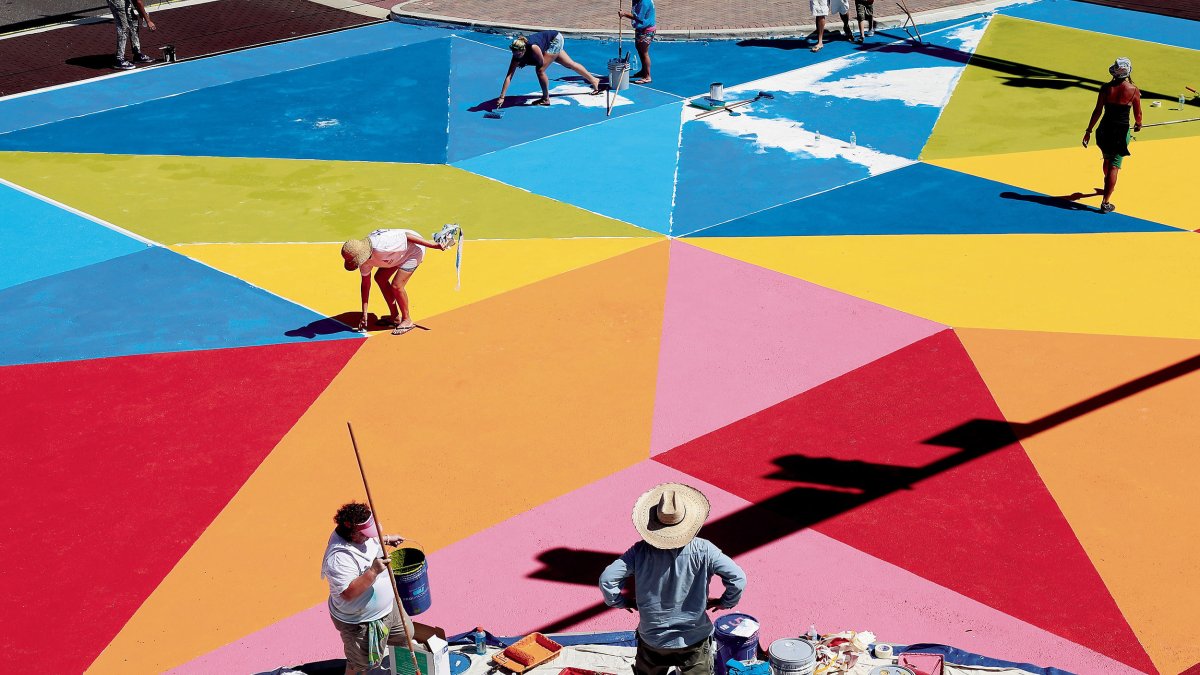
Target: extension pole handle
[404, 618]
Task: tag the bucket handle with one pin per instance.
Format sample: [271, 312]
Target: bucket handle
[420, 547]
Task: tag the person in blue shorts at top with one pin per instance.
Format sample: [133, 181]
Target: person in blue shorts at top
[540, 50]
[644, 27]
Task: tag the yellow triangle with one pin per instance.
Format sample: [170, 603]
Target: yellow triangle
[1117, 284]
[312, 275]
[187, 200]
[1156, 183]
[1119, 455]
[504, 405]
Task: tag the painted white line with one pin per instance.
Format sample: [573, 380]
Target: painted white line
[81, 214]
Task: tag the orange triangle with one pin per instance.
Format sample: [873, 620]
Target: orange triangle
[1110, 424]
[503, 405]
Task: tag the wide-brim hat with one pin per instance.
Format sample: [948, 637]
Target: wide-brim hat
[356, 251]
[669, 515]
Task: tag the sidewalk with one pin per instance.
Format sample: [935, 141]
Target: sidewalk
[680, 19]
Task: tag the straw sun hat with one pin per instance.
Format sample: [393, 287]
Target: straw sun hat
[670, 515]
[355, 252]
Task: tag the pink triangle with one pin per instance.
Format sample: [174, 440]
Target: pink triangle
[539, 569]
[738, 338]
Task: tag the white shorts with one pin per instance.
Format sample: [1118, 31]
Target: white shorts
[829, 7]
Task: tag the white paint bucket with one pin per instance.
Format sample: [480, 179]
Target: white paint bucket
[618, 74]
[716, 91]
[792, 656]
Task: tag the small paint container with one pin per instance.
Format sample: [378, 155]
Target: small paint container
[716, 91]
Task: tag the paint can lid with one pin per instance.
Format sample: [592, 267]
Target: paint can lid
[791, 653]
[726, 624]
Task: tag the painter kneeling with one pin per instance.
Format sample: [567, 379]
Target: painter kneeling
[671, 568]
[362, 603]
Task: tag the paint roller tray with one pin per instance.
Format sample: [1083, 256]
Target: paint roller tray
[527, 653]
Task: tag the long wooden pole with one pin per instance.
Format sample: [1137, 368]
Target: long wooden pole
[405, 620]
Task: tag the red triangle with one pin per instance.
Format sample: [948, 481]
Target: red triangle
[908, 458]
[1194, 670]
[115, 466]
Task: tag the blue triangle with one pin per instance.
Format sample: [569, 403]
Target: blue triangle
[351, 109]
[623, 168]
[147, 302]
[477, 73]
[799, 142]
[926, 199]
[42, 240]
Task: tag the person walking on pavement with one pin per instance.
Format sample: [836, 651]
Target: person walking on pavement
[128, 16]
[824, 8]
[671, 568]
[1115, 101]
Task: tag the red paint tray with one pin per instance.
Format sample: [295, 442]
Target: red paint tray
[527, 653]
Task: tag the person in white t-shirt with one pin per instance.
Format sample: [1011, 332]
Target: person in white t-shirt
[395, 255]
[362, 603]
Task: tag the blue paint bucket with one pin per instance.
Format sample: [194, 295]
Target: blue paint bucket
[737, 647]
[411, 570]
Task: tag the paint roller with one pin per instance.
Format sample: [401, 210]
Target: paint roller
[449, 236]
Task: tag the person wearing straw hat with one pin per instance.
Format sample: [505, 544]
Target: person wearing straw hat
[671, 568]
[361, 603]
[1112, 136]
[395, 255]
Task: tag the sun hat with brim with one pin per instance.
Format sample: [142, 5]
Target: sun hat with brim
[355, 252]
[670, 515]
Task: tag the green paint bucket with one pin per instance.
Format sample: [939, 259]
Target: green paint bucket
[411, 570]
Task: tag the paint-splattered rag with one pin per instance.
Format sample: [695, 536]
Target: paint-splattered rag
[377, 635]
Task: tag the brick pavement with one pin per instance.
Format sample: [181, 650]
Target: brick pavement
[73, 53]
[681, 16]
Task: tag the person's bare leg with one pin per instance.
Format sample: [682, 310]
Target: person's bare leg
[820, 35]
[399, 283]
[568, 63]
[846, 27]
[1110, 180]
[383, 280]
[643, 76]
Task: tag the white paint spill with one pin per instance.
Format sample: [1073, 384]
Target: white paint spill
[912, 86]
[968, 36]
[792, 137]
[325, 124]
[580, 95]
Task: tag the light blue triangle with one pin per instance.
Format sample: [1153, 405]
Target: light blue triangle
[623, 167]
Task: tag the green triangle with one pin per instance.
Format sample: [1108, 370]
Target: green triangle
[1032, 86]
[181, 200]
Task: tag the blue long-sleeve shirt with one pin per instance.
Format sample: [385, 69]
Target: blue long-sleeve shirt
[643, 13]
[672, 589]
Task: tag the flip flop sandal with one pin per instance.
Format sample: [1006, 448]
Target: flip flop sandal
[542, 101]
[596, 91]
[401, 330]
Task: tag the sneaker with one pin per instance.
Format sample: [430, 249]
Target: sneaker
[871, 33]
[1108, 207]
[142, 58]
[122, 64]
